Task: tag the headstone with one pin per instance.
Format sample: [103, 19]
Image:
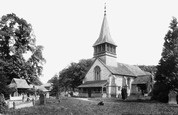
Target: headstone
[33, 101]
[15, 94]
[14, 106]
[47, 94]
[23, 98]
[172, 97]
[42, 99]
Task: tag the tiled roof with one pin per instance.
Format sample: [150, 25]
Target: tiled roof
[104, 36]
[98, 83]
[19, 83]
[142, 80]
[125, 69]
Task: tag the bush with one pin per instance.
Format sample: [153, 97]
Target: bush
[160, 92]
[3, 106]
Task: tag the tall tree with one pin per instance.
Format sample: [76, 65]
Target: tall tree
[16, 39]
[167, 69]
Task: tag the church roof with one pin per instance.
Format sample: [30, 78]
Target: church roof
[99, 83]
[105, 36]
[125, 69]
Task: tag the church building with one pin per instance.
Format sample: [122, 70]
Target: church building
[106, 77]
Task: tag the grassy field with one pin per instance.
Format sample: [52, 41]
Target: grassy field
[73, 106]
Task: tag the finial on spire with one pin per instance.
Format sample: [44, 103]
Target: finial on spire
[105, 9]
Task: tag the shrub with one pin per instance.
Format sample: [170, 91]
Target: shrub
[160, 92]
[3, 105]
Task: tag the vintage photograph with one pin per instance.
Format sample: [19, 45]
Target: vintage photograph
[89, 57]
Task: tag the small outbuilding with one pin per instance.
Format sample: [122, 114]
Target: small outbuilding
[143, 84]
[20, 85]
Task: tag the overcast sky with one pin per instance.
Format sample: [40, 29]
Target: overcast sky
[68, 28]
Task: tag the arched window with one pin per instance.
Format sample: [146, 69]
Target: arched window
[97, 71]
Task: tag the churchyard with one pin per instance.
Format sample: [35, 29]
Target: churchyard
[84, 106]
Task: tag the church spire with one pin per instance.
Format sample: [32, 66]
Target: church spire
[104, 36]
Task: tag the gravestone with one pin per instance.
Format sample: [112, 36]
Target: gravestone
[15, 94]
[47, 94]
[14, 105]
[33, 101]
[172, 97]
[42, 99]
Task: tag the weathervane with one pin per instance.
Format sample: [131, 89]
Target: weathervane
[105, 9]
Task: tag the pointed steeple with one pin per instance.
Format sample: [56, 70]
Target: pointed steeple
[105, 36]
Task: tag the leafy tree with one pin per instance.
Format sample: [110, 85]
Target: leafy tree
[16, 39]
[55, 81]
[167, 69]
[72, 76]
[148, 68]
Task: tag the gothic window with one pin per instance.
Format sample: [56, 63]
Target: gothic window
[97, 71]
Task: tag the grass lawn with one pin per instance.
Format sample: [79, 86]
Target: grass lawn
[73, 106]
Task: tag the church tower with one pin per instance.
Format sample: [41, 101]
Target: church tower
[104, 47]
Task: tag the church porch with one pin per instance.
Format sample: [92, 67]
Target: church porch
[93, 89]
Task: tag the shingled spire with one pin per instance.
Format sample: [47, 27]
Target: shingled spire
[105, 36]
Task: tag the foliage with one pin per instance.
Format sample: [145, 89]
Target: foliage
[72, 76]
[55, 81]
[16, 40]
[160, 92]
[167, 69]
[36, 81]
[149, 68]
[3, 105]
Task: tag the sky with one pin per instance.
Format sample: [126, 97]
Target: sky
[68, 28]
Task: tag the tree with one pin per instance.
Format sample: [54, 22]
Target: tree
[72, 76]
[16, 39]
[167, 69]
[55, 81]
[148, 68]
